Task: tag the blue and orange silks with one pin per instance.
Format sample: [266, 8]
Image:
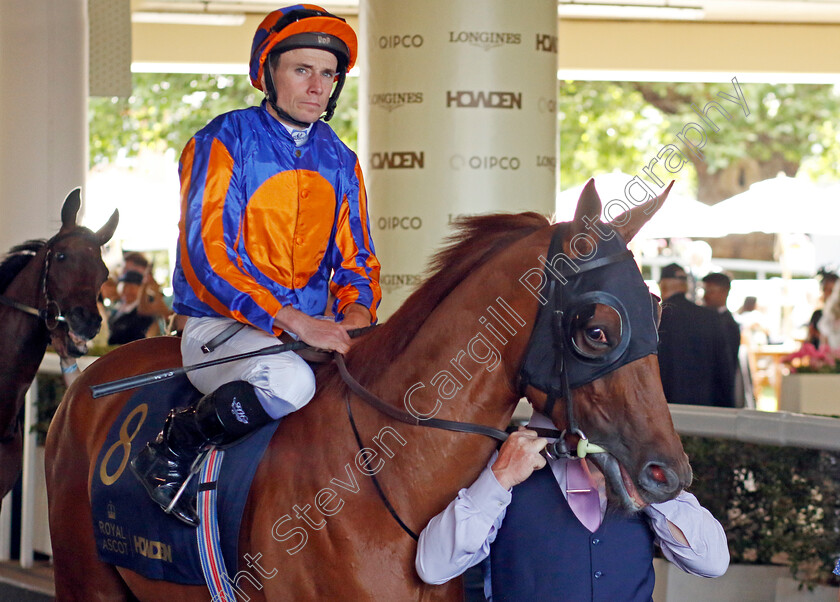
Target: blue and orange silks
[265, 224]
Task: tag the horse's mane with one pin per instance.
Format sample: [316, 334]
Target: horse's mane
[16, 259]
[475, 240]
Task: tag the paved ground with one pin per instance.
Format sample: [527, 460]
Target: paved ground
[26, 585]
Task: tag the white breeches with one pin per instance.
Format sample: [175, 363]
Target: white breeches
[283, 382]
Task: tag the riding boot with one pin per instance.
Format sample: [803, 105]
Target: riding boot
[219, 418]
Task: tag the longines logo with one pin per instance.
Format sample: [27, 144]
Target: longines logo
[546, 43]
[550, 163]
[489, 100]
[392, 282]
[400, 223]
[484, 39]
[394, 100]
[398, 160]
[401, 41]
[484, 162]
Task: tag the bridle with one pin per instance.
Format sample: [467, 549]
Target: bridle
[553, 315]
[51, 313]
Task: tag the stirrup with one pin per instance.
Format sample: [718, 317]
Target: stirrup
[196, 466]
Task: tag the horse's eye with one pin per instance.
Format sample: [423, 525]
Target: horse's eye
[60, 256]
[595, 330]
[596, 335]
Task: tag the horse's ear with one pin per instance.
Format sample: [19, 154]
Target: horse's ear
[105, 233]
[633, 220]
[70, 208]
[588, 209]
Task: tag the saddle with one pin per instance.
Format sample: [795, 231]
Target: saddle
[129, 528]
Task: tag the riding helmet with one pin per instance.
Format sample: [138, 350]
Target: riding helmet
[302, 26]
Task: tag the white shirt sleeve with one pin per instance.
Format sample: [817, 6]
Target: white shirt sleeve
[707, 554]
[460, 536]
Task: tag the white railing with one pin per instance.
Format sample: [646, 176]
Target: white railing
[749, 426]
[754, 426]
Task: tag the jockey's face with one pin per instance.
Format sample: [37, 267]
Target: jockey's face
[303, 79]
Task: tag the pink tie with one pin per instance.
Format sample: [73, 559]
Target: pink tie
[582, 495]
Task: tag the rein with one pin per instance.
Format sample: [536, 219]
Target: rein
[376, 402]
[554, 451]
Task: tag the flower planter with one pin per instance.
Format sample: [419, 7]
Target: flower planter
[741, 582]
[811, 394]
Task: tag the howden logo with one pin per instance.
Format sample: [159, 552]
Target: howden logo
[546, 43]
[398, 160]
[470, 99]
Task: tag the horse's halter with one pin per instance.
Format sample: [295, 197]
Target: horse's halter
[554, 362]
[51, 313]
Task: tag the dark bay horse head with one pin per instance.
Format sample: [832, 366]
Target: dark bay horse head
[73, 274]
[595, 342]
[55, 284]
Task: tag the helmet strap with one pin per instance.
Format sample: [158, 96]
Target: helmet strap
[331, 104]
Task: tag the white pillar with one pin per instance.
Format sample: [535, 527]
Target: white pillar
[458, 116]
[43, 113]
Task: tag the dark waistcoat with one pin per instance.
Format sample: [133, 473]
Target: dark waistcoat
[543, 552]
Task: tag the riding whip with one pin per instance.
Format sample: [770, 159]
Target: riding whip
[132, 382]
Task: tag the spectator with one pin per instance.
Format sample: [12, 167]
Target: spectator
[127, 323]
[829, 323]
[827, 282]
[716, 287]
[695, 360]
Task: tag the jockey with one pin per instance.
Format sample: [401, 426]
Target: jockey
[273, 219]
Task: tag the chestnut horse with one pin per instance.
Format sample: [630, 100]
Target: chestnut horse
[48, 291]
[314, 526]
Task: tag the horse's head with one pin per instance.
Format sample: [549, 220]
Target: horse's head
[72, 276]
[595, 341]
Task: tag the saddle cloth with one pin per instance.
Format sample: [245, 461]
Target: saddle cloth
[131, 530]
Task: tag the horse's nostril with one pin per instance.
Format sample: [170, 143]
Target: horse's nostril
[658, 474]
[659, 480]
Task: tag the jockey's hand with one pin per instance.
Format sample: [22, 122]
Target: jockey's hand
[355, 316]
[321, 334]
[518, 457]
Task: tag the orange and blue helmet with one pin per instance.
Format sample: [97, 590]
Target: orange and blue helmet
[302, 26]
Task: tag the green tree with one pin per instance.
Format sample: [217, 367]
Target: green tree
[166, 109]
[622, 125]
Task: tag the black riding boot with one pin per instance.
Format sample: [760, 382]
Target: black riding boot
[220, 418]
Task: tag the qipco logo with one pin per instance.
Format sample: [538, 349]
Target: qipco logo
[395, 222]
[458, 162]
[547, 105]
[410, 40]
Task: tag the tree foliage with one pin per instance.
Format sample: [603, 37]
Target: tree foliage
[622, 125]
[166, 109]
